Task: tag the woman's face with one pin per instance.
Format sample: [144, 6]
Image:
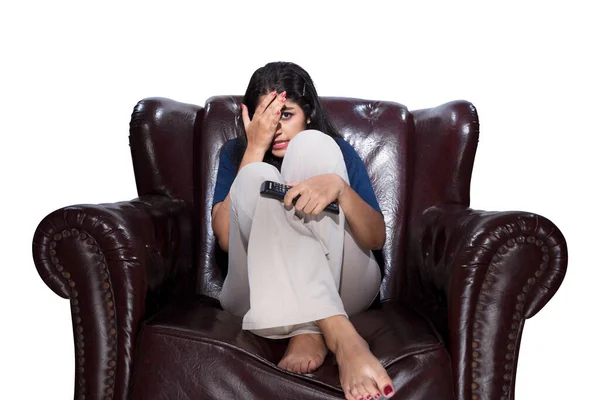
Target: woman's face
[292, 122]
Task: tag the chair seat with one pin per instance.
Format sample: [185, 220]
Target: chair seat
[195, 350]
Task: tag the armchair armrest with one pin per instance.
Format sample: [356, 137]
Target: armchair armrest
[494, 269]
[114, 262]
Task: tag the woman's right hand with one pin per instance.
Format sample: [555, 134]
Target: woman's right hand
[261, 129]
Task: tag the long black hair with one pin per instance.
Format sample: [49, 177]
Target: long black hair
[299, 88]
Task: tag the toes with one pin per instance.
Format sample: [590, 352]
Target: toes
[355, 393]
[304, 366]
[283, 364]
[365, 393]
[385, 386]
[372, 390]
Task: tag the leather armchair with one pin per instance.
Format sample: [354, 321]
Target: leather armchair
[143, 275]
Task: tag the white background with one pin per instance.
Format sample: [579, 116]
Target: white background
[71, 74]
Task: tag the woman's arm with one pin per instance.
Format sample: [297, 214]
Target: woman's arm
[365, 223]
[220, 212]
[259, 134]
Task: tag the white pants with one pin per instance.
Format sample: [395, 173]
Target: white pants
[287, 269]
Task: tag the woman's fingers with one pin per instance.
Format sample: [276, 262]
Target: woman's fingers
[245, 117]
[291, 195]
[265, 103]
[273, 112]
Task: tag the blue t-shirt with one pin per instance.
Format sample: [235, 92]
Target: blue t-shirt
[357, 173]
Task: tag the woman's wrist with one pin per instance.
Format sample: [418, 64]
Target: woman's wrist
[342, 193]
[252, 154]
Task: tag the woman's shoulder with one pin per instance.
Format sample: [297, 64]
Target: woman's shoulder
[347, 150]
[229, 147]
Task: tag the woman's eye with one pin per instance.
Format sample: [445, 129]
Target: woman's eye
[286, 114]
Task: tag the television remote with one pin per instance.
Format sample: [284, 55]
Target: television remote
[276, 190]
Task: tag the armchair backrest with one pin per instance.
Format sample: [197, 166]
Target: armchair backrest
[175, 150]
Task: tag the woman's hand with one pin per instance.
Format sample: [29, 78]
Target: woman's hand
[315, 193]
[261, 129]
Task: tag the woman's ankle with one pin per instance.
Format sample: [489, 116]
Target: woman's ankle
[337, 330]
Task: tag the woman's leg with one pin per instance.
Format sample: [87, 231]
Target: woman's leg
[278, 273]
[355, 272]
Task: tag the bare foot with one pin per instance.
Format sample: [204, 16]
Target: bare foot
[361, 374]
[304, 353]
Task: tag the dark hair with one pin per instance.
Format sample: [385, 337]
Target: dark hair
[299, 88]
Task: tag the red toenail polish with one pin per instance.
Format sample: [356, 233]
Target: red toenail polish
[387, 390]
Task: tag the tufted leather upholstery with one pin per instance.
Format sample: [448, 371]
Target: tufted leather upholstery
[143, 275]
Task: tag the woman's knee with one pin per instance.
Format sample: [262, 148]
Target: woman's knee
[248, 180]
[310, 140]
[315, 148]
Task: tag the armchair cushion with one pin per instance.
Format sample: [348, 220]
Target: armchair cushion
[198, 343]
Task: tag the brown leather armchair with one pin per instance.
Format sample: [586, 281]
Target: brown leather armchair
[143, 275]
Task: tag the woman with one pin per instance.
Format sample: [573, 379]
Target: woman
[294, 270]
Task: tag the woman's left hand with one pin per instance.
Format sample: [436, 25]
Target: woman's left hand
[315, 193]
